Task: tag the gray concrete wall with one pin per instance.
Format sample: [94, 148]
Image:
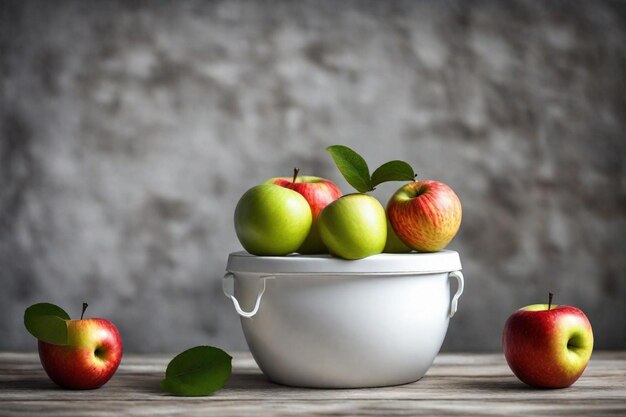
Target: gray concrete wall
[128, 131]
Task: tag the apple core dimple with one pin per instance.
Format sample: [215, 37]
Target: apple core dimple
[100, 353]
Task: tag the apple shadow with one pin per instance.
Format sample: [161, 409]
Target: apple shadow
[29, 384]
[496, 385]
[150, 387]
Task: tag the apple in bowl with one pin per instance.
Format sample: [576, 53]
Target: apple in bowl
[271, 220]
[318, 192]
[354, 226]
[425, 215]
[394, 244]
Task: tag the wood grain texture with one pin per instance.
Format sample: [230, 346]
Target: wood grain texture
[457, 384]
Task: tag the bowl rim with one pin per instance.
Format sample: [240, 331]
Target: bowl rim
[326, 265]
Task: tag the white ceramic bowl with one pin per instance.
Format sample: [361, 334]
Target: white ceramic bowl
[320, 321]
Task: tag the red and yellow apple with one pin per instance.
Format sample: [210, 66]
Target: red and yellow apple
[425, 215]
[90, 358]
[76, 354]
[318, 192]
[548, 346]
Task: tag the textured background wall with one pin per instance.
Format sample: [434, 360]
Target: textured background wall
[130, 129]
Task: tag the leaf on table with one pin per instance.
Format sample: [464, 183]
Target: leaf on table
[198, 371]
[393, 171]
[352, 166]
[47, 322]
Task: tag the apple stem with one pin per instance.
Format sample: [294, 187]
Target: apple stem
[85, 305]
[550, 295]
[295, 174]
[414, 177]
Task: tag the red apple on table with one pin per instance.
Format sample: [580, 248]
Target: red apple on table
[425, 215]
[547, 345]
[318, 192]
[89, 357]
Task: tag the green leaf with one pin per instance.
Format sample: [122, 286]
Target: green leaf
[47, 322]
[393, 171]
[198, 371]
[352, 166]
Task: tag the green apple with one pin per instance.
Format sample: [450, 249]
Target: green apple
[319, 192]
[354, 226]
[394, 244]
[271, 220]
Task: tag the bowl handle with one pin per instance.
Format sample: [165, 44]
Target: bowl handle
[455, 300]
[229, 293]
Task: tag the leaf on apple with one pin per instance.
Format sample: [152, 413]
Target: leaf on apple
[355, 170]
[352, 166]
[198, 371]
[47, 322]
[393, 171]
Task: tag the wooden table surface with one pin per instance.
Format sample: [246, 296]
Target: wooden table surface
[457, 384]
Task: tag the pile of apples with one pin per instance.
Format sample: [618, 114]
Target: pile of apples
[309, 215]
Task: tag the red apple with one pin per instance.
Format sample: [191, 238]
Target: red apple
[318, 192]
[547, 346]
[425, 215]
[90, 358]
